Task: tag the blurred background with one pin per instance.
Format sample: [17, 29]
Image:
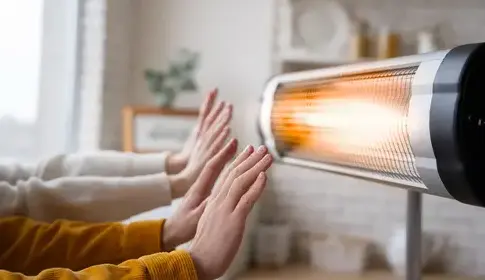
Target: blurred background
[68, 68]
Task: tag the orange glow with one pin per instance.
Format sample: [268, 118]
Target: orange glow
[357, 121]
[372, 124]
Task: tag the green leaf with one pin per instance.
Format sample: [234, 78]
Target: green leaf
[155, 80]
[189, 85]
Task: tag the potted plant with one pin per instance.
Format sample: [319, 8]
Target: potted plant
[179, 78]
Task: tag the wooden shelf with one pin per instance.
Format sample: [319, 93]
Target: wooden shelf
[303, 272]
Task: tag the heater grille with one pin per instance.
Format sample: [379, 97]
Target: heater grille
[357, 120]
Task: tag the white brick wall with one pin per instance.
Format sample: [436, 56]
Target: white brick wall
[92, 78]
[106, 70]
[323, 202]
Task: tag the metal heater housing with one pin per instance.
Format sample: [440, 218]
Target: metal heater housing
[436, 145]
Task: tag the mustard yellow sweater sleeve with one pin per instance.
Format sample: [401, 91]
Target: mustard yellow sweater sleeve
[176, 265]
[28, 246]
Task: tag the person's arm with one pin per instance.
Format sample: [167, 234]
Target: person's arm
[30, 246]
[103, 163]
[176, 265]
[90, 199]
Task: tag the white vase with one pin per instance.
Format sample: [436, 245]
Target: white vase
[426, 42]
[396, 249]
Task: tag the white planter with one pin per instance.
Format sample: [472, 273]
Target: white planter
[396, 249]
[272, 244]
[339, 254]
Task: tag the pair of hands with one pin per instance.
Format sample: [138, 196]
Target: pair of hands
[219, 213]
[218, 217]
[208, 112]
[208, 137]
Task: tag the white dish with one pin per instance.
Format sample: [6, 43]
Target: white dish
[322, 25]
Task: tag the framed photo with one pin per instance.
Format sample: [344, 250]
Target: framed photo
[149, 130]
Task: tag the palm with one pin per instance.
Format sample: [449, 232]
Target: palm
[200, 147]
[190, 143]
[187, 217]
[183, 223]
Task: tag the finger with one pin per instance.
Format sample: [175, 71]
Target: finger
[208, 104]
[213, 168]
[242, 183]
[247, 201]
[222, 118]
[205, 108]
[240, 169]
[201, 208]
[225, 173]
[217, 144]
[199, 211]
[242, 157]
[211, 117]
[219, 125]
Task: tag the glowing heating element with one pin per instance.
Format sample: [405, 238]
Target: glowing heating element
[411, 121]
[358, 121]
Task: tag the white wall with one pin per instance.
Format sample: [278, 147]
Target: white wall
[233, 37]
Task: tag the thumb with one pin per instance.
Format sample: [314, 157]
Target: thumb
[213, 168]
[198, 213]
[201, 208]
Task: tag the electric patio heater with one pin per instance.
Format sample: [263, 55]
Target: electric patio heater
[415, 122]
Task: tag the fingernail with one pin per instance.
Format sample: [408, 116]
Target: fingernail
[261, 149]
[248, 148]
[261, 176]
[267, 158]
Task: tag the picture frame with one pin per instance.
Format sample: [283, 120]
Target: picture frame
[152, 130]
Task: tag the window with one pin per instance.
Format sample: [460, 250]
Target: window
[38, 74]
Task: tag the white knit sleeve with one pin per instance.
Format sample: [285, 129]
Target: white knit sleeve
[105, 163]
[91, 199]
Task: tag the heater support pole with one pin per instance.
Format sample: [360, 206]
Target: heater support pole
[413, 236]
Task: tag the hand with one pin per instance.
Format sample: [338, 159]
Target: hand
[177, 162]
[221, 227]
[214, 127]
[181, 227]
[211, 137]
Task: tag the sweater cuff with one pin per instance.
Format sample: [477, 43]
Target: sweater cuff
[149, 163]
[175, 265]
[155, 189]
[142, 238]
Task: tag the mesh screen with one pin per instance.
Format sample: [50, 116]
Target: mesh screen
[358, 121]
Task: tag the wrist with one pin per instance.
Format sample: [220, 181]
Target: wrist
[175, 163]
[179, 185]
[168, 241]
[201, 275]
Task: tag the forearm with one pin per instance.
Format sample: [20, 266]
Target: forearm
[91, 199]
[30, 246]
[103, 163]
[167, 266]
